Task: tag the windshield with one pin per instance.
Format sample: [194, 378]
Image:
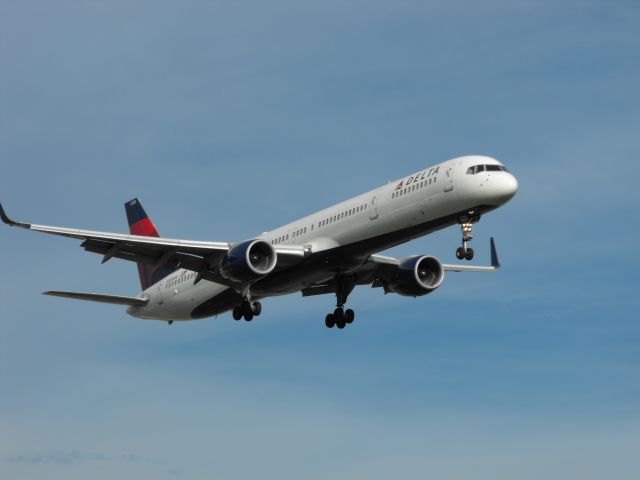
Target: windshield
[488, 168]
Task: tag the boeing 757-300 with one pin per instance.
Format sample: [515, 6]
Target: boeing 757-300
[328, 252]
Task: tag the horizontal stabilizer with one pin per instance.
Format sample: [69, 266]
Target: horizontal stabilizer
[98, 297]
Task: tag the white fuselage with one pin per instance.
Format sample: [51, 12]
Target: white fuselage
[377, 220]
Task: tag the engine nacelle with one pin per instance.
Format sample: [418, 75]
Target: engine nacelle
[416, 276]
[248, 261]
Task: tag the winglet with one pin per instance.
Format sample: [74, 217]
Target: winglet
[495, 263]
[10, 222]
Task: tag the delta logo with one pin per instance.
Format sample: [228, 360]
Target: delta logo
[418, 177]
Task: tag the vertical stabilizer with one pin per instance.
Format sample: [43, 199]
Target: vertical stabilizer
[141, 224]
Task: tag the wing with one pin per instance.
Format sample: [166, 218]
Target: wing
[198, 256]
[378, 269]
[386, 263]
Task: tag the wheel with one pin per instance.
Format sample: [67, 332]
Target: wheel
[460, 253]
[330, 320]
[469, 254]
[257, 308]
[341, 323]
[247, 311]
[338, 313]
[237, 313]
[349, 315]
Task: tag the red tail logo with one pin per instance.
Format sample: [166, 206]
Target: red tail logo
[141, 224]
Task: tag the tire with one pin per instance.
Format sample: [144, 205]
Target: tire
[349, 316]
[330, 321]
[257, 308]
[247, 311]
[460, 254]
[338, 314]
[237, 313]
[469, 254]
[341, 324]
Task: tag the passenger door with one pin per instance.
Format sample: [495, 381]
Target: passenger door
[448, 180]
[373, 209]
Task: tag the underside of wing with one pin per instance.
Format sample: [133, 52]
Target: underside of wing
[99, 297]
[411, 276]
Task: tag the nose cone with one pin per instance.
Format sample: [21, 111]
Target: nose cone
[505, 188]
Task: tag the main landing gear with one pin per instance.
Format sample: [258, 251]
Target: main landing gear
[340, 317]
[247, 310]
[466, 227]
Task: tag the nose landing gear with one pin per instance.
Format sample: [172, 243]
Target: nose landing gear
[466, 227]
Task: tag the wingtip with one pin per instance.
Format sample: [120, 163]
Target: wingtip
[495, 263]
[5, 218]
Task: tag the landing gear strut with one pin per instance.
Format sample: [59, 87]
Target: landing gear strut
[340, 317]
[466, 227]
[247, 310]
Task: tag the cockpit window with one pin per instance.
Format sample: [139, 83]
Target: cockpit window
[485, 168]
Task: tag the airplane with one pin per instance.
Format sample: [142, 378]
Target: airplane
[328, 252]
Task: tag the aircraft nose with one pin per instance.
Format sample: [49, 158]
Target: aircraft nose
[505, 188]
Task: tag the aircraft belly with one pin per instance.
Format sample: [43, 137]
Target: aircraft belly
[293, 280]
[217, 304]
[177, 303]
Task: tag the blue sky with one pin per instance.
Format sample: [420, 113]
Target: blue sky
[229, 118]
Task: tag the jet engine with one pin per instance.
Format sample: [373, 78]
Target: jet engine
[416, 276]
[248, 261]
